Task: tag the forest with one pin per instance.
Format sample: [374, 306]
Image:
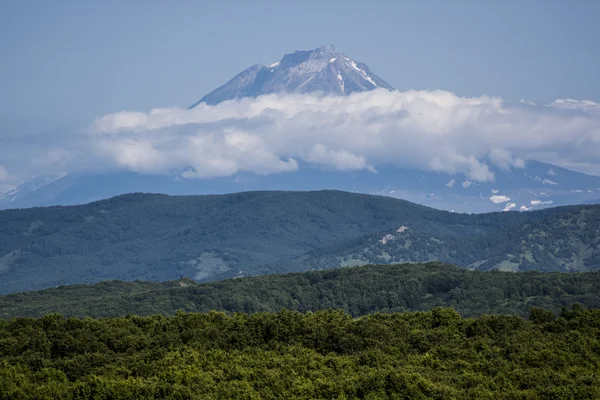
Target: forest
[564, 241]
[358, 291]
[168, 303]
[324, 355]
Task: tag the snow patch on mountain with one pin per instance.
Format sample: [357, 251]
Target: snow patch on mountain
[27, 187]
[319, 70]
[387, 238]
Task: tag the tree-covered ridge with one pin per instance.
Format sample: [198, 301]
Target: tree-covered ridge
[559, 241]
[158, 237]
[358, 291]
[323, 355]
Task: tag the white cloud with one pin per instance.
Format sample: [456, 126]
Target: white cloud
[339, 159]
[466, 184]
[453, 162]
[529, 103]
[496, 199]
[549, 182]
[6, 183]
[201, 155]
[432, 130]
[509, 207]
[540, 202]
[3, 174]
[578, 105]
[524, 208]
[504, 160]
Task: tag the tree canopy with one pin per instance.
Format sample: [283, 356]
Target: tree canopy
[323, 355]
[358, 291]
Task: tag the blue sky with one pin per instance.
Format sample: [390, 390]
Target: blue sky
[68, 62]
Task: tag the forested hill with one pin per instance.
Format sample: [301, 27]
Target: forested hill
[159, 237]
[358, 291]
[567, 240]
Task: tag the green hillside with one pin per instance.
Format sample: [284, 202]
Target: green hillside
[158, 237]
[567, 239]
[358, 291]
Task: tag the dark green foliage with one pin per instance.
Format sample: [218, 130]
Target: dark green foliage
[158, 237]
[288, 355]
[541, 316]
[562, 239]
[358, 291]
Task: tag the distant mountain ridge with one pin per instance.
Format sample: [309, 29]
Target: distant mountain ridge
[158, 237]
[535, 186]
[325, 69]
[562, 239]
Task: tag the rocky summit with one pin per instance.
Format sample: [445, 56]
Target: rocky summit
[325, 70]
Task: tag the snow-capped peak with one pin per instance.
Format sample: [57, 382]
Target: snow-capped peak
[324, 69]
[27, 188]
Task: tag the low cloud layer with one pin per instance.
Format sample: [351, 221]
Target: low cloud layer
[4, 180]
[432, 130]
[3, 174]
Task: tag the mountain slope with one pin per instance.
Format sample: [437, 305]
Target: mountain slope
[157, 237]
[535, 186]
[561, 239]
[359, 291]
[325, 70]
